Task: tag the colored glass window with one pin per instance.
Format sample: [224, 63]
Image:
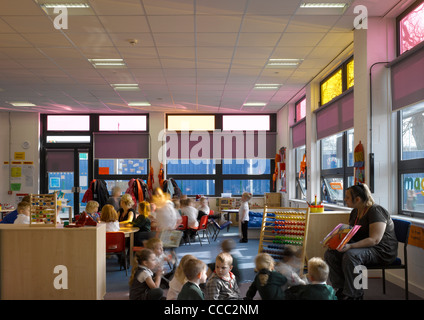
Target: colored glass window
[411, 29]
[332, 87]
[350, 74]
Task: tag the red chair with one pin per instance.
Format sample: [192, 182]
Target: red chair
[203, 225]
[183, 225]
[115, 243]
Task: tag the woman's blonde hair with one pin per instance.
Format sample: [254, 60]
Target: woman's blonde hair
[139, 258]
[144, 208]
[108, 214]
[179, 272]
[128, 200]
[264, 261]
[362, 191]
[92, 206]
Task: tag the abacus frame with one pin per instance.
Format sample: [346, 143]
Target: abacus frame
[279, 218]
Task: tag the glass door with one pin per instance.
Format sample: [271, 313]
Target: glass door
[67, 173]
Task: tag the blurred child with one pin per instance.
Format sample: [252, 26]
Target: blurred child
[222, 285]
[143, 223]
[110, 217]
[228, 246]
[195, 272]
[92, 209]
[267, 282]
[24, 212]
[142, 285]
[115, 198]
[290, 266]
[179, 278]
[167, 217]
[203, 209]
[317, 289]
[156, 245]
[187, 209]
[244, 215]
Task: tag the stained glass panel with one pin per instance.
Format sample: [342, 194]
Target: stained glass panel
[411, 29]
[332, 87]
[350, 74]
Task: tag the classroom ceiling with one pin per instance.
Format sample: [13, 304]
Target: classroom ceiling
[191, 56]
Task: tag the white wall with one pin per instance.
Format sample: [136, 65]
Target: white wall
[15, 129]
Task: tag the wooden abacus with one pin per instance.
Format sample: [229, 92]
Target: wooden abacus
[282, 227]
[43, 210]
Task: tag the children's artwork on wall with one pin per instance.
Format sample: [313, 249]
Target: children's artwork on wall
[359, 163]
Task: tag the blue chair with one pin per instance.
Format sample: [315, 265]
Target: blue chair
[402, 228]
[218, 228]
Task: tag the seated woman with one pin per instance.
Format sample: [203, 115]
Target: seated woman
[374, 243]
[126, 213]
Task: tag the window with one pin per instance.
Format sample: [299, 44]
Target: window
[340, 80]
[411, 160]
[336, 166]
[300, 107]
[190, 122]
[224, 159]
[411, 27]
[68, 123]
[300, 178]
[246, 123]
[123, 123]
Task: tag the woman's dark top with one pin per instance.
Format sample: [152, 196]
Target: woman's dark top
[122, 217]
[388, 246]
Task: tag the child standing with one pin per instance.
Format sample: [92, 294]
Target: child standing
[110, 217]
[179, 278]
[317, 289]
[244, 215]
[195, 272]
[24, 211]
[142, 285]
[268, 282]
[222, 285]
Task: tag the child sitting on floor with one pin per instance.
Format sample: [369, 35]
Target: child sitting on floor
[267, 282]
[195, 272]
[222, 285]
[179, 279]
[142, 285]
[317, 289]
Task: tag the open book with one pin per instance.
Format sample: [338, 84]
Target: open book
[340, 235]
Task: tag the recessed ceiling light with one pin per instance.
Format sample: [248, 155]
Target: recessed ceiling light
[254, 104]
[139, 104]
[283, 63]
[107, 63]
[267, 86]
[125, 86]
[66, 5]
[323, 5]
[22, 104]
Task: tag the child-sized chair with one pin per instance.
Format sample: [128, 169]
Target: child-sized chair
[115, 243]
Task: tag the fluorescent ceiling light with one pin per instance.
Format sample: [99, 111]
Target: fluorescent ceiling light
[125, 86]
[66, 5]
[267, 86]
[22, 104]
[284, 62]
[254, 104]
[323, 5]
[107, 63]
[139, 104]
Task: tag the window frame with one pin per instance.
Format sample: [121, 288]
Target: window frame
[343, 172]
[219, 176]
[343, 68]
[411, 8]
[405, 167]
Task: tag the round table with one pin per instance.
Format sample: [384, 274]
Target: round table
[129, 232]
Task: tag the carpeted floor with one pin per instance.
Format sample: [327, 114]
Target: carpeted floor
[117, 282]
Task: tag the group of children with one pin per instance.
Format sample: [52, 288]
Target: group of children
[195, 280]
